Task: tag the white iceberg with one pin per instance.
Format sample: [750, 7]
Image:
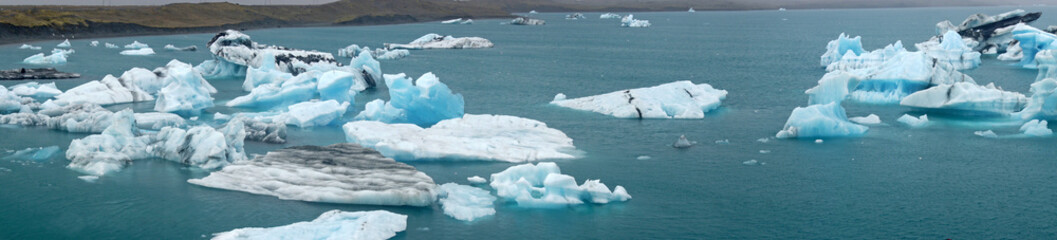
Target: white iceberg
[681, 99]
[111, 45]
[36, 90]
[465, 202]
[109, 90]
[341, 86]
[609, 16]
[30, 47]
[630, 21]
[233, 51]
[157, 120]
[64, 44]
[871, 119]
[820, 121]
[1013, 53]
[914, 122]
[136, 45]
[906, 73]
[423, 103]
[352, 50]
[316, 113]
[58, 56]
[1032, 40]
[293, 90]
[1036, 128]
[951, 49]
[110, 151]
[472, 137]
[452, 21]
[544, 186]
[339, 173]
[138, 52]
[968, 99]
[527, 21]
[11, 102]
[170, 47]
[335, 224]
[186, 92]
[476, 180]
[386, 54]
[855, 61]
[94, 43]
[436, 41]
[683, 142]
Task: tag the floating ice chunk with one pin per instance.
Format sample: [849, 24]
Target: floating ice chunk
[609, 16]
[58, 56]
[476, 180]
[1032, 40]
[986, 134]
[750, 162]
[10, 101]
[265, 74]
[30, 47]
[691, 10]
[110, 151]
[465, 202]
[109, 90]
[850, 60]
[643, 157]
[339, 173]
[369, 68]
[472, 137]
[681, 99]
[527, 21]
[185, 91]
[64, 44]
[138, 52]
[906, 73]
[436, 41]
[575, 16]
[820, 121]
[94, 43]
[967, 98]
[1046, 61]
[233, 50]
[111, 45]
[335, 224]
[321, 113]
[682, 142]
[952, 49]
[1043, 102]
[297, 89]
[452, 21]
[170, 47]
[88, 118]
[36, 90]
[157, 121]
[89, 178]
[836, 49]
[136, 45]
[1036, 128]
[533, 12]
[630, 21]
[24, 119]
[914, 122]
[425, 103]
[384, 54]
[37, 154]
[352, 50]
[871, 119]
[544, 186]
[200, 146]
[340, 86]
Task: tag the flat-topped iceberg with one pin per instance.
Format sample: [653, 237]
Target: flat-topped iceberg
[472, 137]
[630, 21]
[527, 21]
[138, 52]
[42, 154]
[544, 186]
[339, 173]
[233, 51]
[457, 21]
[951, 49]
[1036, 128]
[914, 122]
[30, 47]
[436, 41]
[465, 203]
[316, 113]
[820, 121]
[58, 56]
[136, 45]
[967, 98]
[36, 90]
[334, 224]
[680, 99]
[906, 73]
[609, 16]
[109, 90]
[423, 103]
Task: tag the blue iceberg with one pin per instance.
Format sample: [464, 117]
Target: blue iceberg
[820, 121]
[423, 103]
[544, 186]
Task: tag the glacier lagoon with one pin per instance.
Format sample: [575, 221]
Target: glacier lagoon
[941, 181]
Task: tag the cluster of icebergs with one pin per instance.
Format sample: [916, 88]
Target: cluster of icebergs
[929, 79]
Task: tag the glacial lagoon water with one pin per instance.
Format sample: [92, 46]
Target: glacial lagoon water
[895, 182]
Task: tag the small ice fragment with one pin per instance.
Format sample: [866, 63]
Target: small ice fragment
[765, 151]
[89, 178]
[476, 180]
[682, 142]
[750, 162]
[643, 157]
[724, 141]
[818, 140]
[986, 134]
[870, 119]
[763, 140]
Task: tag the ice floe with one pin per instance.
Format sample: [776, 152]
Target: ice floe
[36, 90]
[471, 137]
[424, 102]
[316, 113]
[138, 52]
[871, 119]
[34, 154]
[334, 224]
[30, 47]
[544, 186]
[457, 21]
[64, 44]
[967, 98]
[914, 122]
[57, 56]
[527, 21]
[681, 99]
[476, 180]
[339, 173]
[170, 47]
[465, 203]
[609, 16]
[186, 92]
[437, 41]
[820, 121]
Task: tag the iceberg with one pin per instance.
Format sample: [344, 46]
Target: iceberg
[436, 41]
[683, 142]
[452, 21]
[609, 16]
[1043, 102]
[136, 45]
[951, 49]
[630, 21]
[339, 173]
[914, 122]
[109, 90]
[992, 32]
[110, 151]
[1033, 128]
[316, 113]
[36, 90]
[58, 56]
[851, 61]
[476, 180]
[201, 146]
[85, 117]
[871, 119]
[157, 120]
[30, 47]
[906, 73]
[967, 98]
[369, 68]
[138, 52]
[233, 50]
[986, 134]
[837, 49]
[191, 48]
[544, 186]
[352, 50]
[260, 131]
[386, 54]
[424, 103]
[111, 45]
[465, 203]
[575, 16]
[1032, 40]
[265, 74]
[334, 224]
[472, 137]
[64, 44]
[340, 86]
[11, 102]
[820, 121]
[46, 153]
[1013, 52]
[680, 99]
[94, 43]
[527, 21]
[186, 92]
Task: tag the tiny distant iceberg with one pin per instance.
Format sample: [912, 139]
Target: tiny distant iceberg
[820, 121]
[691, 10]
[575, 16]
[527, 21]
[630, 21]
[30, 47]
[111, 45]
[681, 99]
[138, 52]
[914, 122]
[457, 21]
[334, 224]
[34, 154]
[436, 41]
[967, 98]
[191, 48]
[543, 185]
[136, 45]
[64, 44]
[340, 173]
[58, 56]
[609, 16]
[471, 137]
[94, 44]
[683, 142]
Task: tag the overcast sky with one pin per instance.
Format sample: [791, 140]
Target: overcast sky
[152, 2]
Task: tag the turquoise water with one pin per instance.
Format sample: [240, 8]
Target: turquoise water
[939, 182]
